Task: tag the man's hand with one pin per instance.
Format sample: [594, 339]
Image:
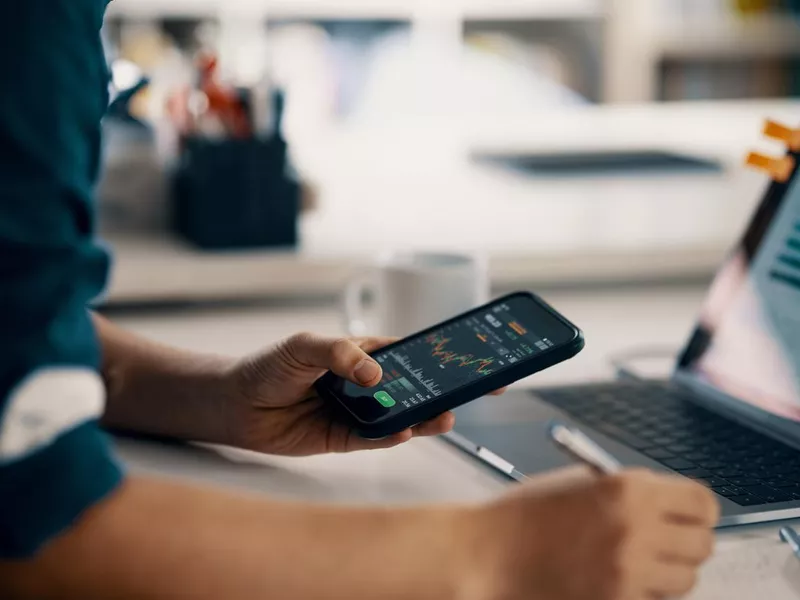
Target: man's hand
[264, 403]
[574, 536]
[273, 408]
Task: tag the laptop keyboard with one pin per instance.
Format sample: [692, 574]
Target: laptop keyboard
[738, 463]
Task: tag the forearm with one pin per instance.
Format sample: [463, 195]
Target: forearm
[161, 541]
[158, 390]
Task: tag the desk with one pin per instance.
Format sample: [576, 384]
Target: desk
[426, 470]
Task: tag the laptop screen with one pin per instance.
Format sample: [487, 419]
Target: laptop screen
[747, 343]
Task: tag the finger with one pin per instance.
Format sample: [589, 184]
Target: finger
[441, 424]
[684, 544]
[685, 501]
[666, 581]
[340, 355]
[557, 481]
[499, 392]
[355, 443]
[371, 344]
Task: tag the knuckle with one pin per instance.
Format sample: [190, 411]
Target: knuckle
[627, 488]
[621, 530]
[300, 339]
[340, 348]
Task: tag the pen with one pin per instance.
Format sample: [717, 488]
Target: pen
[790, 536]
[581, 447]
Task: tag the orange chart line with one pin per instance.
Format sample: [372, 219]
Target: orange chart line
[517, 327]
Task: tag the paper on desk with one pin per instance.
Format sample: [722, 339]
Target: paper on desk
[755, 568]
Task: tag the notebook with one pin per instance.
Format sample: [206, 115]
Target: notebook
[750, 568]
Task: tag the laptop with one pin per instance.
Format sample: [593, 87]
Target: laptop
[728, 417]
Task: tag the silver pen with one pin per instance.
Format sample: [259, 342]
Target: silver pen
[791, 537]
[578, 445]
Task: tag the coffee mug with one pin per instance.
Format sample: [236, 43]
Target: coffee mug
[416, 290]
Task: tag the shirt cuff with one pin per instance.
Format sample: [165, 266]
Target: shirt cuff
[45, 493]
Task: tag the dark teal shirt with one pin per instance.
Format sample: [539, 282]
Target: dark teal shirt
[54, 461]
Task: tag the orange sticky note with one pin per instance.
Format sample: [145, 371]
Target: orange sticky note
[782, 133]
[779, 169]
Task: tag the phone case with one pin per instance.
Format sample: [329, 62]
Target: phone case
[473, 391]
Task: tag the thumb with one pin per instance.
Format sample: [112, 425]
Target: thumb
[341, 355]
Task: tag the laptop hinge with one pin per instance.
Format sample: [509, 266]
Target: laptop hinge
[740, 411]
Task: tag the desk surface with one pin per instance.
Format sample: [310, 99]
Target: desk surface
[424, 470]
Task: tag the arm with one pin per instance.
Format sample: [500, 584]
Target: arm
[563, 537]
[161, 541]
[158, 390]
[263, 402]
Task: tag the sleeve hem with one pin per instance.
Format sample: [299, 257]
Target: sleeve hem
[45, 493]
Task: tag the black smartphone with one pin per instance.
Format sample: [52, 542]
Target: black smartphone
[455, 362]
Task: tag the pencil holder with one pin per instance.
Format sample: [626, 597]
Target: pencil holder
[231, 193]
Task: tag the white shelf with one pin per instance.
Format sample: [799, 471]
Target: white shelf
[150, 9]
[530, 10]
[157, 268]
[765, 37]
[361, 9]
[317, 9]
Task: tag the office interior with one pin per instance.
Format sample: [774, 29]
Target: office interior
[592, 150]
[407, 126]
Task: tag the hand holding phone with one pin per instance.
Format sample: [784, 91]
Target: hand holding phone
[455, 362]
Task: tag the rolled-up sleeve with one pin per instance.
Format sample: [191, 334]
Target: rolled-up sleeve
[55, 462]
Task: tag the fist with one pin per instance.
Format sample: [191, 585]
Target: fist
[575, 536]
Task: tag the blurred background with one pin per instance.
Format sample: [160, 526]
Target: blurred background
[268, 150]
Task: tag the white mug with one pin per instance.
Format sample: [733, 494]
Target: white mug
[416, 290]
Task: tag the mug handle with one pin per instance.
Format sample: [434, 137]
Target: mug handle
[353, 305]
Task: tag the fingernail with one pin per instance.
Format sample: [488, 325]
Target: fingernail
[367, 370]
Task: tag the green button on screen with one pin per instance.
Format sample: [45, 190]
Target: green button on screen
[385, 399]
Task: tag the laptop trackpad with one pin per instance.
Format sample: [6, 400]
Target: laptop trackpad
[515, 427]
[524, 445]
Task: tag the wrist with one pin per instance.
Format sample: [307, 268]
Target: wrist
[170, 393]
[215, 389]
[499, 544]
[476, 558]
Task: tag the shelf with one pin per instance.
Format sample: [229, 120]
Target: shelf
[152, 9]
[361, 9]
[312, 9]
[764, 37]
[160, 268]
[544, 10]
[157, 268]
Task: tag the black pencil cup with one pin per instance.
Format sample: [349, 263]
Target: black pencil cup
[231, 194]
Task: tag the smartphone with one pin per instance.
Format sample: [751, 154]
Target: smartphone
[453, 363]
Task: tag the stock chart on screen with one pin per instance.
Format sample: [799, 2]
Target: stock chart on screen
[455, 355]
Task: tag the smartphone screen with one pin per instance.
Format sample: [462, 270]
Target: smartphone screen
[460, 352]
